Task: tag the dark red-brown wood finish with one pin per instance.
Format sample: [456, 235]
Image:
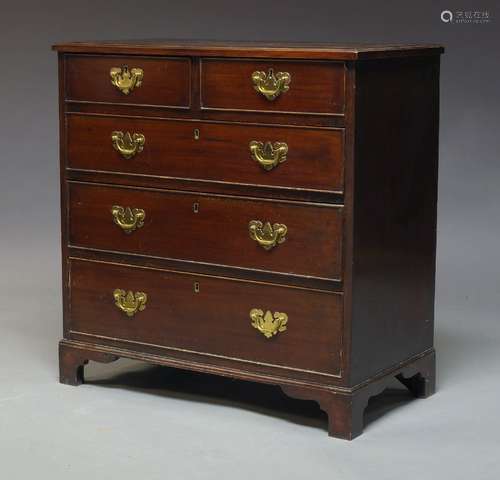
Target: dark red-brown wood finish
[218, 153]
[224, 85]
[209, 229]
[187, 311]
[167, 85]
[352, 283]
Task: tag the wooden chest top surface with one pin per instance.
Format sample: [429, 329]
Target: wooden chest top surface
[330, 51]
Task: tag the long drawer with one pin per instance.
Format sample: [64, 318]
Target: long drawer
[285, 237]
[162, 81]
[273, 325]
[286, 157]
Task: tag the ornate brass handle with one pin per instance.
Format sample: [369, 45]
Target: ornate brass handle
[265, 235]
[271, 85]
[130, 303]
[126, 80]
[128, 219]
[268, 155]
[268, 324]
[126, 144]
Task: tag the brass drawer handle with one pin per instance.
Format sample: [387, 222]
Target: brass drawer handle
[267, 235]
[130, 303]
[126, 144]
[268, 155]
[268, 324]
[271, 85]
[126, 80]
[128, 219]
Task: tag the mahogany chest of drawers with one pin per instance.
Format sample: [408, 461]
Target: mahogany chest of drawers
[263, 212]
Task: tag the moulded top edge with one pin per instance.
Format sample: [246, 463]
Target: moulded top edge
[327, 51]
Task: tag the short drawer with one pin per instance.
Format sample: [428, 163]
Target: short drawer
[129, 80]
[284, 237]
[286, 157]
[256, 323]
[273, 86]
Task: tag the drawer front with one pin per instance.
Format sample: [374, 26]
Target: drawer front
[259, 155]
[212, 316]
[290, 87]
[301, 239]
[163, 81]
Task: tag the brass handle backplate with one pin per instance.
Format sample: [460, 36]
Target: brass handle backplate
[128, 219]
[267, 235]
[126, 80]
[129, 302]
[268, 324]
[126, 144]
[271, 85]
[268, 155]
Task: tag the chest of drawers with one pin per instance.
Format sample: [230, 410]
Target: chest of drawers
[262, 212]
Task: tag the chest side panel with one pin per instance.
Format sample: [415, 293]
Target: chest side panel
[394, 224]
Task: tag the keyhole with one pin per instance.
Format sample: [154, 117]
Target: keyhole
[196, 207]
[196, 134]
[196, 287]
